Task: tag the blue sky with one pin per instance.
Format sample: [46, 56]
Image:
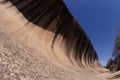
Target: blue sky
[97, 18]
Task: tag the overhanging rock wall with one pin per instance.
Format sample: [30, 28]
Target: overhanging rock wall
[42, 37]
[54, 16]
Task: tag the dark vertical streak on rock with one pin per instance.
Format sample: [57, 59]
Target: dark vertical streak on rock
[17, 1]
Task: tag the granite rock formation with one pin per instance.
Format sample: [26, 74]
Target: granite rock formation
[41, 40]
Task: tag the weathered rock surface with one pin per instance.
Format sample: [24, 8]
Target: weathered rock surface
[40, 40]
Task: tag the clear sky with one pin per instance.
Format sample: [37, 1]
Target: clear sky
[98, 18]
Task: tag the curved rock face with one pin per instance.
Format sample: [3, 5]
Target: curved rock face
[43, 40]
[53, 16]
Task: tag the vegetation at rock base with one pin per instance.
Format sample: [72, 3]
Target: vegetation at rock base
[113, 63]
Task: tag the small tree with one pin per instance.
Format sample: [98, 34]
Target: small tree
[110, 61]
[114, 65]
[116, 49]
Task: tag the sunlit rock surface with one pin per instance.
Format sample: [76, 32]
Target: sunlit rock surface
[40, 40]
